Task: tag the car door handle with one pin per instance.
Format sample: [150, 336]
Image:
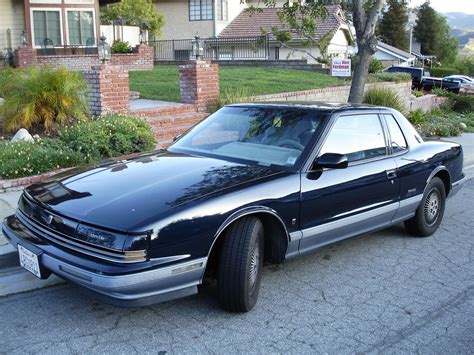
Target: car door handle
[391, 174]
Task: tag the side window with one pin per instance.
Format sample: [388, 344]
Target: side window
[397, 139]
[358, 136]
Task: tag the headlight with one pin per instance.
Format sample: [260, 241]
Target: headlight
[129, 248]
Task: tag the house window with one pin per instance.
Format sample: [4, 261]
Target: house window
[222, 10]
[47, 27]
[81, 27]
[200, 10]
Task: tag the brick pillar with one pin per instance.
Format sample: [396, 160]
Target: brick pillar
[109, 89]
[146, 56]
[25, 57]
[199, 82]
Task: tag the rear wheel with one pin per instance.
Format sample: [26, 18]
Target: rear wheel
[240, 265]
[430, 212]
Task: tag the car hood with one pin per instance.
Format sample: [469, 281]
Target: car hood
[123, 193]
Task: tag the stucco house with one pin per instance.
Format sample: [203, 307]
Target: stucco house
[227, 20]
[49, 23]
[186, 18]
[334, 25]
[390, 55]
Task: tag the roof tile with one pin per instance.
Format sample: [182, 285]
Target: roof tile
[250, 25]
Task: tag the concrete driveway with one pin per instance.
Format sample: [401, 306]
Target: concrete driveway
[387, 292]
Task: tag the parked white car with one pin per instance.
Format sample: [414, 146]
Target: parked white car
[467, 83]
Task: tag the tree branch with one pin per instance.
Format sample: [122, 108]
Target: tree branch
[284, 45]
[373, 17]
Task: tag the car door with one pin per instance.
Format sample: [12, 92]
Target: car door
[413, 169]
[339, 203]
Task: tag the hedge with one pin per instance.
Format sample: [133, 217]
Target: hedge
[443, 71]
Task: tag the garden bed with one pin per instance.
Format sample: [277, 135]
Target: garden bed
[81, 144]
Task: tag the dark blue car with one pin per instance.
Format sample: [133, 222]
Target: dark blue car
[251, 183]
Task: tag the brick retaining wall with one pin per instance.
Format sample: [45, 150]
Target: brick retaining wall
[20, 183]
[140, 60]
[338, 93]
[168, 122]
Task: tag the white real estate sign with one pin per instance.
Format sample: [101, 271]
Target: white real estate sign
[340, 67]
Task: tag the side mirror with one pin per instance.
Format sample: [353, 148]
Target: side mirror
[332, 161]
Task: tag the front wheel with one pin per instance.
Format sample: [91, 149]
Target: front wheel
[430, 212]
[240, 265]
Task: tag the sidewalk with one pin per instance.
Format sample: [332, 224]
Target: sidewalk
[14, 279]
[8, 202]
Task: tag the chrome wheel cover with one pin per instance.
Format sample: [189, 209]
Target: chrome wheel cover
[254, 266]
[432, 207]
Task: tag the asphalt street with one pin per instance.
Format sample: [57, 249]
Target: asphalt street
[386, 292]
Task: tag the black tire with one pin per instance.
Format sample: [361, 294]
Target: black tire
[240, 265]
[430, 212]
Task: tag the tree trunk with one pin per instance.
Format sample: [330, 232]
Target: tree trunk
[361, 70]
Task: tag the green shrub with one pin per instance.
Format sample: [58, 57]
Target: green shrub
[394, 77]
[461, 103]
[384, 97]
[417, 93]
[5, 80]
[417, 117]
[228, 97]
[440, 92]
[439, 126]
[465, 64]
[443, 71]
[375, 66]
[119, 46]
[457, 102]
[21, 158]
[43, 99]
[441, 122]
[86, 142]
[108, 136]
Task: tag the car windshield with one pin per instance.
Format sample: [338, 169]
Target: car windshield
[255, 134]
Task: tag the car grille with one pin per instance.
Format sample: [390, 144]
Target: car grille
[60, 231]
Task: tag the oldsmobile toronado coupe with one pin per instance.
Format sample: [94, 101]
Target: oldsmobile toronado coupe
[251, 183]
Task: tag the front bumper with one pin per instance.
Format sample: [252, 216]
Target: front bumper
[133, 289]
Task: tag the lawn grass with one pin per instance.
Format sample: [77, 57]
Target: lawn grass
[163, 82]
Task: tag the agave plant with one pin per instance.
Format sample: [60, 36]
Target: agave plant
[44, 99]
[384, 97]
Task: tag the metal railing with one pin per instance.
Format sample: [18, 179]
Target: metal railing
[214, 48]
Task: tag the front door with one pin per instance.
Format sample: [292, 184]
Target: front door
[339, 203]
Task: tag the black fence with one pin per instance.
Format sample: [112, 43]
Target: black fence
[214, 48]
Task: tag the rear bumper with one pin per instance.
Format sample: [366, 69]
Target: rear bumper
[130, 290]
[456, 186]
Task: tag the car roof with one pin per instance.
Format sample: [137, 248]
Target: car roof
[458, 76]
[328, 107]
[404, 67]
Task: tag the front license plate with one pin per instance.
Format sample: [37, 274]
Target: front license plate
[29, 261]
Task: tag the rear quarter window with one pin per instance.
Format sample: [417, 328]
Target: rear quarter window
[398, 142]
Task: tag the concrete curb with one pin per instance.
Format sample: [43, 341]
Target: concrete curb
[15, 280]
